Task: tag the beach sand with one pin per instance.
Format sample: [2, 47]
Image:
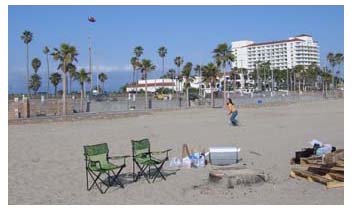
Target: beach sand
[46, 162]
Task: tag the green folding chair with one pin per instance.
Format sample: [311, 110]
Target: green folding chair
[98, 164]
[143, 159]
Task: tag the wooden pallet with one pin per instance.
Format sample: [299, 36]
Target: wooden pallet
[331, 180]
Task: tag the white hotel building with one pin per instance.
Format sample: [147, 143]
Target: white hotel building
[282, 54]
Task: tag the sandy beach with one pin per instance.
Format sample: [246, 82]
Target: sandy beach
[46, 162]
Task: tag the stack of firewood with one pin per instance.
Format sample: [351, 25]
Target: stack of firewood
[327, 169]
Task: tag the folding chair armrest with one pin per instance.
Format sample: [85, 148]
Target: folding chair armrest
[161, 152]
[119, 157]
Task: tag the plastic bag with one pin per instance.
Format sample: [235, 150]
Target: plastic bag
[186, 163]
[175, 163]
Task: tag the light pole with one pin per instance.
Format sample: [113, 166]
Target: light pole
[91, 19]
[90, 65]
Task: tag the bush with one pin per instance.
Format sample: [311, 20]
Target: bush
[164, 91]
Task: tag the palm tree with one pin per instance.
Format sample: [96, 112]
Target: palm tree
[209, 75]
[65, 55]
[35, 83]
[233, 75]
[162, 52]
[146, 66]
[186, 73]
[55, 79]
[265, 68]
[169, 75]
[82, 76]
[299, 71]
[36, 63]
[102, 78]
[27, 37]
[312, 73]
[339, 60]
[134, 62]
[138, 52]
[257, 74]
[223, 54]
[71, 68]
[332, 60]
[178, 61]
[326, 78]
[46, 52]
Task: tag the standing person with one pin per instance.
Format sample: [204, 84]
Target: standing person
[233, 112]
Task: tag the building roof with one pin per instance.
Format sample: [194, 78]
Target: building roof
[152, 84]
[273, 42]
[303, 35]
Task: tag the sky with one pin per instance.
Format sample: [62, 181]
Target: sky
[188, 31]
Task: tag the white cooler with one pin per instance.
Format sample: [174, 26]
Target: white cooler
[224, 155]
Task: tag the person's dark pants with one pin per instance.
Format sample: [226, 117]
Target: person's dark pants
[233, 118]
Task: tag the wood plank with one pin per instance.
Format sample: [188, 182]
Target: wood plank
[337, 176]
[334, 184]
[323, 167]
[329, 182]
[333, 157]
[310, 176]
[340, 163]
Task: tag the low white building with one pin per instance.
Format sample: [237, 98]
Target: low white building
[152, 85]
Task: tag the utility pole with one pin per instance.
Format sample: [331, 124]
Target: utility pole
[90, 66]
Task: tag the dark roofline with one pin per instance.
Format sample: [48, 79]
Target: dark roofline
[274, 42]
[303, 35]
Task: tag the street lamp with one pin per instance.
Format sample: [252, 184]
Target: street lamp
[91, 19]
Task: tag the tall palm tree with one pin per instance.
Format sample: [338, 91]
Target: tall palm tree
[138, 52]
[46, 52]
[170, 74]
[187, 73]
[233, 75]
[210, 72]
[223, 54]
[339, 60]
[36, 63]
[35, 83]
[146, 66]
[134, 62]
[162, 52]
[55, 79]
[178, 61]
[257, 74]
[65, 54]
[71, 68]
[82, 76]
[312, 73]
[299, 71]
[102, 78]
[332, 60]
[27, 37]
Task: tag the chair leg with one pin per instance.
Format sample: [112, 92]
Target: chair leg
[142, 171]
[116, 178]
[158, 171]
[87, 178]
[95, 178]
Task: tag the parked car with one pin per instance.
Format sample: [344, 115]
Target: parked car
[161, 97]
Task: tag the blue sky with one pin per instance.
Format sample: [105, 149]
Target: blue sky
[188, 31]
